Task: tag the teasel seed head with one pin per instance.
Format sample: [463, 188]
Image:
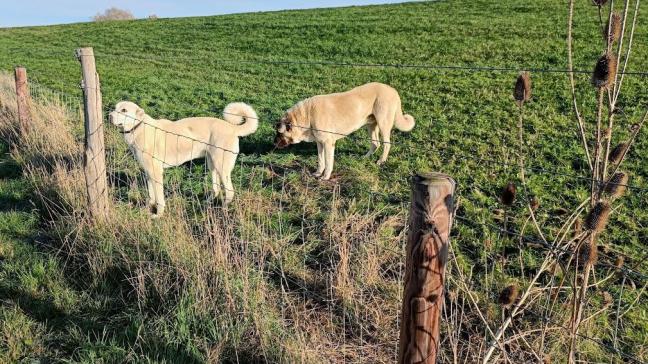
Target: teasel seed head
[534, 203]
[587, 254]
[508, 194]
[522, 90]
[612, 33]
[598, 217]
[607, 299]
[508, 295]
[599, 2]
[617, 184]
[604, 71]
[617, 153]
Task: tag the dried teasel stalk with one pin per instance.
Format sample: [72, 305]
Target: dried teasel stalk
[508, 295]
[508, 194]
[604, 71]
[598, 217]
[617, 153]
[522, 90]
[612, 33]
[616, 186]
[587, 253]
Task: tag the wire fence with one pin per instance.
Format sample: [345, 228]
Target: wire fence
[341, 268]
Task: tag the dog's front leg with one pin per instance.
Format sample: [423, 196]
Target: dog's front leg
[321, 160]
[150, 186]
[158, 178]
[329, 151]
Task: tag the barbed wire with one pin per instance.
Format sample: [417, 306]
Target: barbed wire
[365, 65]
[550, 247]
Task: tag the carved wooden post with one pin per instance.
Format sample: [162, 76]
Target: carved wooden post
[431, 216]
[95, 156]
[23, 100]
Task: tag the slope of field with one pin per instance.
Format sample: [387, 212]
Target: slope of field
[466, 127]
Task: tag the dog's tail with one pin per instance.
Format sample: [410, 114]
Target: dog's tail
[243, 117]
[404, 122]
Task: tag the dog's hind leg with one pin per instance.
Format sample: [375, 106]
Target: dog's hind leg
[321, 160]
[385, 132]
[374, 134]
[229, 189]
[215, 176]
[329, 152]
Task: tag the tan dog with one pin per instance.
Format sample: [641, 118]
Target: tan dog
[159, 144]
[326, 118]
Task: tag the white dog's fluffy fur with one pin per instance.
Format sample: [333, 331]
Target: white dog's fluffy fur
[159, 144]
[326, 118]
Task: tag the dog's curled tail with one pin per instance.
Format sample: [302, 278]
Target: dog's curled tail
[404, 122]
[243, 117]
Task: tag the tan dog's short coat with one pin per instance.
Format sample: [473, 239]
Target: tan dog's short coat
[326, 118]
[159, 144]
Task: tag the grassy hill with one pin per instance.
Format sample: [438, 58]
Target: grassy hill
[306, 270]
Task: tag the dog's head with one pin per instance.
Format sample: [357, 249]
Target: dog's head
[290, 130]
[126, 115]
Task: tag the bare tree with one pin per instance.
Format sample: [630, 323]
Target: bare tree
[114, 14]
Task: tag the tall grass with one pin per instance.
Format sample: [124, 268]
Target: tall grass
[207, 284]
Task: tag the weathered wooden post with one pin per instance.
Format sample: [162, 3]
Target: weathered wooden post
[94, 161]
[23, 100]
[431, 215]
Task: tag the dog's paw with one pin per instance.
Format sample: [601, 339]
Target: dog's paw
[155, 216]
[380, 162]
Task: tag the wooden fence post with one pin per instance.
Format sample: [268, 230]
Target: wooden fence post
[23, 100]
[431, 215]
[94, 162]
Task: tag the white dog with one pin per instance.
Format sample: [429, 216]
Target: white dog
[159, 144]
[326, 118]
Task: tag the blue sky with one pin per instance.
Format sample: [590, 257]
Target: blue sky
[44, 12]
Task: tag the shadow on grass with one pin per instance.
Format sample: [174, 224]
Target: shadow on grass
[91, 323]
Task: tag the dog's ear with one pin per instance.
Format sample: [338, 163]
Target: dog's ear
[288, 122]
[139, 114]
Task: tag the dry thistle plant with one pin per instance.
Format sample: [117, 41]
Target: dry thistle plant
[604, 71]
[508, 194]
[508, 295]
[612, 33]
[522, 90]
[596, 130]
[616, 187]
[598, 217]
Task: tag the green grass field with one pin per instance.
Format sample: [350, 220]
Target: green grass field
[57, 309]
